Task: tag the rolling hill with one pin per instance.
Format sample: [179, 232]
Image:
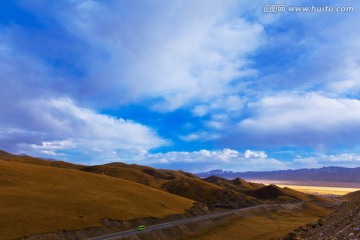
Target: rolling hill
[36, 199]
[176, 182]
[261, 191]
[210, 194]
[275, 192]
[237, 184]
[39, 195]
[37, 161]
[213, 191]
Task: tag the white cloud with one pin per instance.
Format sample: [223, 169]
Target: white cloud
[205, 160]
[218, 156]
[199, 136]
[340, 72]
[167, 55]
[302, 65]
[51, 147]
[219, 113]
[309, 119]
[349, 71]
[228, 104]
[38, 116]
[61, 126]
[175, 53]
[255, 154]
[346, 159]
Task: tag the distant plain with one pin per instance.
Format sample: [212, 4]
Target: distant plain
[316, 187]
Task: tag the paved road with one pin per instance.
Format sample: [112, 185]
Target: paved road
[123, 234]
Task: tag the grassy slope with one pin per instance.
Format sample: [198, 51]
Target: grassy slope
[352, 196]
[37, 199]
[261, 226]
[141, 174]
[37, 161]
[193, 189]
[126, 174]
[262, 191]
[79, 199]
[237, 185]
[246, 185]
[176, 182]
[273, 192]
[210, 190]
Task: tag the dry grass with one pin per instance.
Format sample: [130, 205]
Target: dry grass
[126, 173]
[261, 226]
[36, 199]
[37, 161]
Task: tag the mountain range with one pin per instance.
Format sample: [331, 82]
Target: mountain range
[325, 174]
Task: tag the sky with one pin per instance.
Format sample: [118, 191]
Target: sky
[194, 85]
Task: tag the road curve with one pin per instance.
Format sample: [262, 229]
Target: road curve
[127, 233]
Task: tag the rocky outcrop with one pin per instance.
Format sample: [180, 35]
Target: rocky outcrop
[342, 224]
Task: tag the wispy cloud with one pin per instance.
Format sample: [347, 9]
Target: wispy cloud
[239, 78]
[173, 53]
[39, 116]
[204, 160]
[63, 126]
[302, 120]
[321, 160]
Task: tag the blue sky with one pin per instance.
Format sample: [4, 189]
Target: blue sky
[192, 85]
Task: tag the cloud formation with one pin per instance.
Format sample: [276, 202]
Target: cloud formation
[238, 78]
[255, 155]
[305, 120]
[320, 160]
[53, 127]
[205, 160]
[170, 54]
[39, 116]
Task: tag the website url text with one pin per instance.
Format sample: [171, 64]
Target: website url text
[279, 8]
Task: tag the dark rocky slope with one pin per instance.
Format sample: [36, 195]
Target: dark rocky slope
[342, 224]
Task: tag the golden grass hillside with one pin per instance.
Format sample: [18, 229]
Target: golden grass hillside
[126, 174]
[141, 174]
[237, 184]
[275, 192]
[37, 199]
[213, 191]
[261, 225]
[208, 193]
[37, 161]
[241, 183]
[177, 182]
